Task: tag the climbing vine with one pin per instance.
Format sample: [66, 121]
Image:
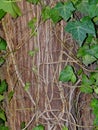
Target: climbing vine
[83, 29]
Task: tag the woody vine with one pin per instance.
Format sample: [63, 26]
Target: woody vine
[83, 30]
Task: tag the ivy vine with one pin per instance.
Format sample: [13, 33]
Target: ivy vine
[83, 30]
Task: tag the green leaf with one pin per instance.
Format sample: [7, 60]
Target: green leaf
[16, 9]
[67, 74]
[2, 14]
[73, 78]
[33, 52]
[4, 128]
[32, 25]
[83, 7]
[46, 13]
[39, 127]
[83, 51]
[2, 115]
[65, 10]
[86, 80]
[75, 2]
[10, 95]
[3, 44]
[3, 87]
[64, 128]
[86, 84]
[89, 8]
[23, 124]
[88, 59]
[96, 121]
[10, 7]
[94, 77]
[88, 53]
[27, 86]
[86, 89]
[93, 8]
[33, 1]
[96, 90]
[94, 103]
[80, 29]
[94, 50]
[2, 60]
[94, 106]
[93, 2]
[80, 71]
[54, 13]
[1, 98]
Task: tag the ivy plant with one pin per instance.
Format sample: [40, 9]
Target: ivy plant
[9, 7]
[3, 46]
[83, 29]
[39, 127]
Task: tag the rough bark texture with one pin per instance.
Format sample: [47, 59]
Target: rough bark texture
[47, 101]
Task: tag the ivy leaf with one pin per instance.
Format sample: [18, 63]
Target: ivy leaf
[83, 6]
[3, 44]
[10, 7]
[2, 115]
[86, 81]
[10, 95]
[94, 106]
[1, 97]
[4, 128]
[33, 1]
[67, 74]
[23, 124]
[3, 86]
[94, 50]
[2, 60]
[93, 8]
[80, 29]
[32, 25]
[94, 103]
[64, 128]
[65, 10]
[2, 14]
[75, 2]
[86, 89]
[39, 127]
[89, 8]
[27, 86]
[96, 122]
[46, 13]
[16, 9]
[54, 13]
[83, 51]
[93, 1]
[89, 54]
[96, 90]
[33, 52]
[86, 85]
[94, 78]
[88, 59]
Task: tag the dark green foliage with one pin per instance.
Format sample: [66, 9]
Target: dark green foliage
[33, 1]
[67, 74]
[39, 127]
[94, 106]
[2, 14]
[3, 44]
[10, 7]
[80, 29]
[3, 86]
